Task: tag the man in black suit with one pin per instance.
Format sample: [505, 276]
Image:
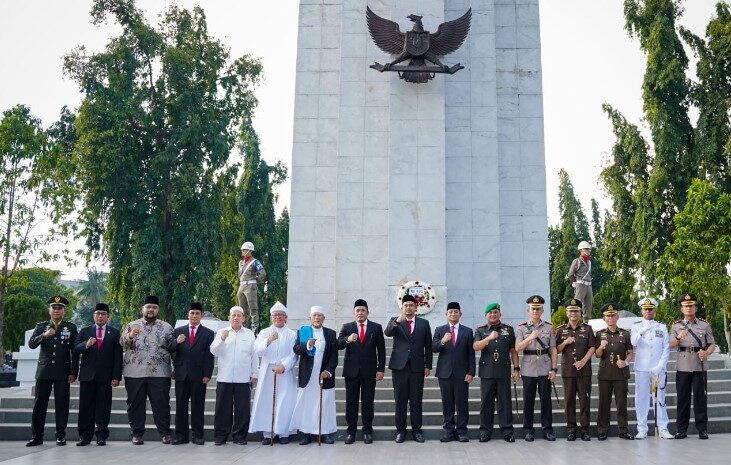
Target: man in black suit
[410, 363]
[193, 368]
[363, 365]
[58, 366]
[455, 370]
[101, 370]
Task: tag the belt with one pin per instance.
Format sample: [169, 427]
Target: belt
[691, 349]
[538, 352]
[585, 283]
[250, 281]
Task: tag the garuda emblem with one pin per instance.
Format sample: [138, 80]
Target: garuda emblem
[418, 46]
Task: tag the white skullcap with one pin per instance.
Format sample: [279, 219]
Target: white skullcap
[235, 309]
[278, 307]
[317, 309]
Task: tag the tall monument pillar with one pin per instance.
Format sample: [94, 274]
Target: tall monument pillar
[442, 182]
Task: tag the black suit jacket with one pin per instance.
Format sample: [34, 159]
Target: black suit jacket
[415, 348]
[57, 359]
[193, 362]
[101, 365]
[366, 358]
[329, 359]
[457, 360]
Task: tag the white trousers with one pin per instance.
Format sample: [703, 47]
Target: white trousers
[644, 401]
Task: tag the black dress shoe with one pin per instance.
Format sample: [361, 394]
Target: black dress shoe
[463, 438]
[178, 441]
[681, 435]
[220, 442]
[627, 436]
[266, 441]
[400, 437]
[327, 439]
[446, 438]
[529, 436]
[283, 439]
[509, 437]
[602, 436]
[484, 437]
[101, 442]
[201, 441]
[367, 438]
[571, 437]
[167, 439]
[34, 442]
[137, 440]
[418, 437]
[585, 436]
[83, 442]
[306, 439]
[350, 439]
[238, 442]
[549, 435]
[61, 441]
[702, 435]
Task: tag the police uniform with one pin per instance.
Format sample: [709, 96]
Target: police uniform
[690, 376]
[534, 367]
[56, 361]
[576, 381]
[579, 275]
[651, 350]
[251, 273]
[613, 379]
[494, 372]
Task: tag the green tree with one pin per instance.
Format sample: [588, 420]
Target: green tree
[92, 292]
[163, 109]
[700, 253]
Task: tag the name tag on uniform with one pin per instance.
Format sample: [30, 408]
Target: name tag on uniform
[504, 332]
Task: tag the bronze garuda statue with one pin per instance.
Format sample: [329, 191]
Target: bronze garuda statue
[418, 45]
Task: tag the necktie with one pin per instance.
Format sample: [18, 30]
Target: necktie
[99, 337]
[410, 323]
[192, 335]
[362, 333]
[454, 336]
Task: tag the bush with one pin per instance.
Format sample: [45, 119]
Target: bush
[22, 312]
[559, 317]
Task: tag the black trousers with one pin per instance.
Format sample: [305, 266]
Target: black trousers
[620, 388]
[408, 388]
[157, 389]
[61, 395]
[232, 413]
[571, 387]
[363, 388]
[694, 383]
[95, 408]
[490, 390]
[455, 398]
[194, 391]
[530, 383]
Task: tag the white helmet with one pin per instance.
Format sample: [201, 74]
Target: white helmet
[584, 245]
[247, 246]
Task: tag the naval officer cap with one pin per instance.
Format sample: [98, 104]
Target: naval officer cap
[58, 300]
[647, 302]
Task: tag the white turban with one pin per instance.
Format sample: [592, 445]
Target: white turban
[236, 309]
[278, 307]
[317, 309]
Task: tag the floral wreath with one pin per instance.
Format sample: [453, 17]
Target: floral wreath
[425, 302]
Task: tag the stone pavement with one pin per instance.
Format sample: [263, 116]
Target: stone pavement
[612, 451]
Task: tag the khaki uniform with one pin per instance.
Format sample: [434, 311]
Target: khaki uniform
[494, 372]
[251, 273]
[613, 379]
[579, 275]
[576, 381]
[690, 376]
[534, 367]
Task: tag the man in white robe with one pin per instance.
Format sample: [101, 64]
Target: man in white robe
[318, 352]
[274, 345]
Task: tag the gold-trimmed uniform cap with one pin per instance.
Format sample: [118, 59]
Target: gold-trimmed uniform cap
[535, 301]
[58, 300]
[573, 304]
[647, 302]
[688, 299]
[609, 309]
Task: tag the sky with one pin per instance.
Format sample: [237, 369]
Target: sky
[588, 59]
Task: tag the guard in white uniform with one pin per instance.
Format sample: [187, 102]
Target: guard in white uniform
[652, 349]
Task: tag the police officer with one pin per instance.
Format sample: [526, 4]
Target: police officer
[614, 351]
[694, 340]
[496, 343]
[58, 366]
[650, 341]
[536, 339]
[579, 275]
[251, 272]
[575, 342]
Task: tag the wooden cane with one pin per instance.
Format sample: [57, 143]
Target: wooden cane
[274, 406]
[655, 385]
[319, 423]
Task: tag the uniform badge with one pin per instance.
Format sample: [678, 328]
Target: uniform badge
[505, 332]
[658, 333]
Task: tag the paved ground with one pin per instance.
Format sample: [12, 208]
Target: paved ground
[613, 451]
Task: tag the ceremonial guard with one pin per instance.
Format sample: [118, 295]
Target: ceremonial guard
[651, 348]
[496, 343]
[251, 273]
[455, 371]
[536, 339]
[575, 342]
[693, 338]
[614, 351]
[579, 275]
[314, 411]
[58, 366]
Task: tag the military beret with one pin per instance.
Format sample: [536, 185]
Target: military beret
[573, 304]
[100, 307]
[152, 299]
[58, 300]
[535, 301]
[491, 307]
[609, 309]
[453, 305]
[360, 303]
[688, 299]
[408, 298]
[196, 306]
[647, 302]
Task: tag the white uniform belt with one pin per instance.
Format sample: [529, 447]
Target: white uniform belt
[250, 281]
[585, 283]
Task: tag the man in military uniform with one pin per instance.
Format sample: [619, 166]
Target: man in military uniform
[58, 366]
[693, 338]
[536, 339]
[496, 343]
[650, 341]
[580, 277]
[575, 342]
[251, 273]
[614, 351]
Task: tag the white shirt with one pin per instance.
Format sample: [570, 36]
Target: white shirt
[651, 347]
[237, 360]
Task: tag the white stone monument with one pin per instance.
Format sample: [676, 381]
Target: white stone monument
[442, 182]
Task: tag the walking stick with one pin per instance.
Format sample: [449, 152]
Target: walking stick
[319, 423]
[515, 393]
[556, 393]
[655, 384]
[274, 406]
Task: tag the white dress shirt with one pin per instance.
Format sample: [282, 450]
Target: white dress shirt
[237, 360]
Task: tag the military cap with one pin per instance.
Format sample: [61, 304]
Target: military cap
[100, 307]
[453, 305]
[535, 301]
[647, 302]
[609, 309]
[688, 299]
[152, 299]
[573, 304]
[491, 307]
[408, 298]
[196, 306]
[58, 300]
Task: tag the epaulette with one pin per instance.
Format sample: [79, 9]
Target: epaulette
[561, 326]
[701, 319]
[482, 326]
[523, 323]
[505, 325]
[636, 322]
[677, 321]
